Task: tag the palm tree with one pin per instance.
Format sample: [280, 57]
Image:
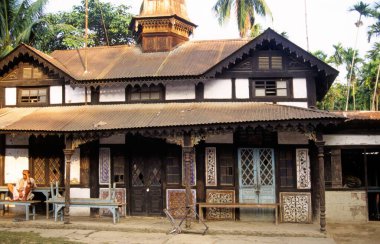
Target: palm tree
[363, 10]
[245, 12]
[374, 54]
[374, 30]
[17, 19]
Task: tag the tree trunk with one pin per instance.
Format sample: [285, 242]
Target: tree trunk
[374, 108]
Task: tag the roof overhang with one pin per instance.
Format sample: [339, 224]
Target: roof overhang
[164, 116]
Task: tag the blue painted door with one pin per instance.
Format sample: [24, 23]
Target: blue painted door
[256, 175]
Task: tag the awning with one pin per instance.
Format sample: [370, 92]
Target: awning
[85, 118]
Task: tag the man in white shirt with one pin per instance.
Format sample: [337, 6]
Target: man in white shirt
[23, 188]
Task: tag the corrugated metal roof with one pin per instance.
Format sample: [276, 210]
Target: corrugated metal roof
[359, 115]
[189, 59]
[136, 116]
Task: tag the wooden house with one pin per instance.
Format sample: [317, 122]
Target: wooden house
[239, 114]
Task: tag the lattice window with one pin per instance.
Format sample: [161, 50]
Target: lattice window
[155, 177]
[247, 167]
[39, 171]
[54, 169]
[266, 167]
[138, 174]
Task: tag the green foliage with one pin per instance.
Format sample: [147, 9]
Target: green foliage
[107, 25]
[18, 19]
[245, 12]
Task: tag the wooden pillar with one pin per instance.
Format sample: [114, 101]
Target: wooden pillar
[187, 157]
[321, 168]
[68, 151]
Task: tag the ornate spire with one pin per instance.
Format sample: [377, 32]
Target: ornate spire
[162, 25]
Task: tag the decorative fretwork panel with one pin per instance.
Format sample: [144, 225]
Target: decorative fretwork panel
[220, 196]
[104, 165]
[303, 169]
[295, 207]
[211, 172]
[120, 197]
[176, 202]
[247, 167]
[266, 167]
[39, 170]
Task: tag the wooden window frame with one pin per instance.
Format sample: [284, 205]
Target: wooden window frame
[292, 151]
[289, 88]
[28, 104]
[145, 90]
[271, 57]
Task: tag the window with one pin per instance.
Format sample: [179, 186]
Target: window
[145, 93]
[173, 171]
[33, 95]
[226, 170]
[31, 73]
[270, 63]
[271, 88]
[286, 163]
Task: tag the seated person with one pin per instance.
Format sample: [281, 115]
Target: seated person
[23, 188]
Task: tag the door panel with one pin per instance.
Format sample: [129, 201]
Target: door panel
[256, 180]
[146, 186]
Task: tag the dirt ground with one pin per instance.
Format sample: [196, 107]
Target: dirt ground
[368, 233]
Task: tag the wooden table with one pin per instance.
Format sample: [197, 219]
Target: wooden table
[274, 206]
[27, 204]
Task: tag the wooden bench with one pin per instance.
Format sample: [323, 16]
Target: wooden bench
[113, 207]
[27, 204]
[274, 206]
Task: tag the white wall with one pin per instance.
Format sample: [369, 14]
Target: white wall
[76, 95]
[242, 88]
[337, 140]
[180, 91]
[299, 88]
[112, 94]
[75, 167]
[16, 160]
[346, 206]
[80, 193]
[218, 89]
[294, 104]
[10, 96]
[56, 95]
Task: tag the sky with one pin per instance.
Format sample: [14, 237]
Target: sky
[329, 21]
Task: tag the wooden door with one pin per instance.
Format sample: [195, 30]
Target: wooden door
[146, 186]
[256, 175]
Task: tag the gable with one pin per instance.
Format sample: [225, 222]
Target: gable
[297, 59]
[267, 61]
[38, 61]
[28, 73]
